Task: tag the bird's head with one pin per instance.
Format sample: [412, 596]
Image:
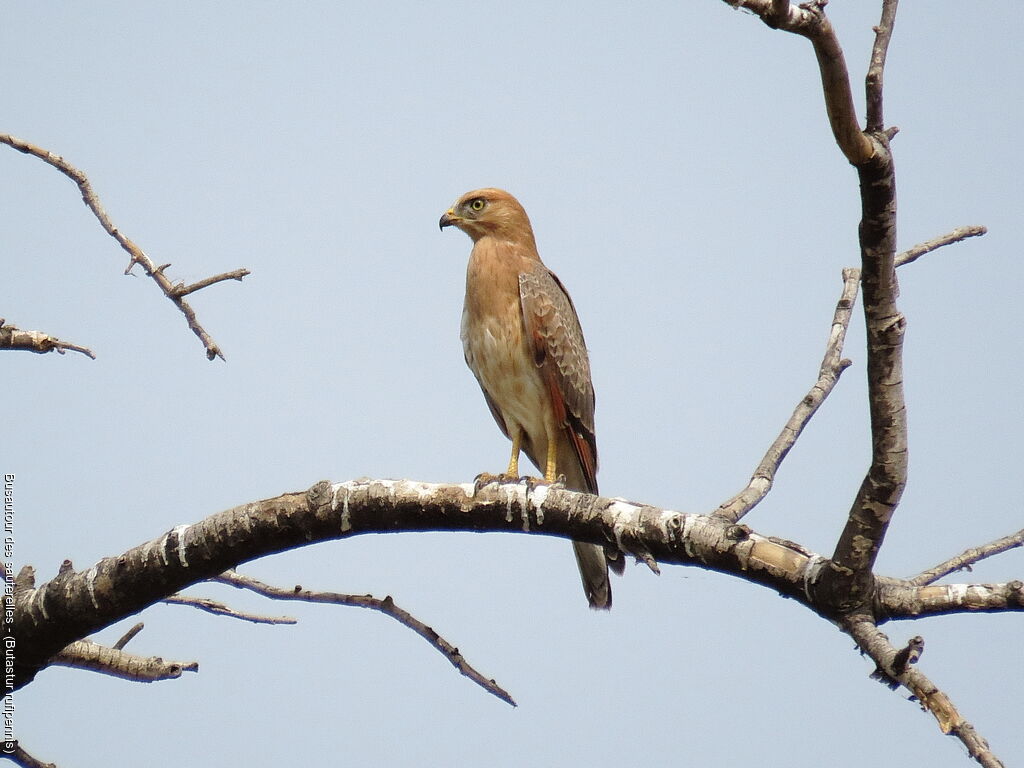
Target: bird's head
[489, 212]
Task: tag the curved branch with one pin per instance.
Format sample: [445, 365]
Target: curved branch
[75, 604]
[386, 606]
[809, 20]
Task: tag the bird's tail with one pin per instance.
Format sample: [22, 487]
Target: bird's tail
[594, 573]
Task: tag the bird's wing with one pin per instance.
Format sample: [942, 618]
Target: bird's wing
[554, 335]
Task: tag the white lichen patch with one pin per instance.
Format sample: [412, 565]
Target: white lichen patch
[537, 499]
[341, 491]
[180, 531]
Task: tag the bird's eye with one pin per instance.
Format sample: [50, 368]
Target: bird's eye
[477, 204]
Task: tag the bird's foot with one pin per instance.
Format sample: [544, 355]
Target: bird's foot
[487, 478]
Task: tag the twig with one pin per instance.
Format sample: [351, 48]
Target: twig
[386, 606]
[92, 201]
[969, 557]
[919, 250]
[185, 290]
[37, 341]
[874, 80]
[85, 654]
[220, 609]
[877, 646]
[127, 636]
[832, 367]
[20, 757]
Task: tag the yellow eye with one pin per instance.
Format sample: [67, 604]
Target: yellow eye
[477, 204]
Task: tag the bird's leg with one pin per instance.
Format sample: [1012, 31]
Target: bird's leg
[549, 470]
[510, 475]
[517, 446]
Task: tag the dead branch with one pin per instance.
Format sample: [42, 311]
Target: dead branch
[386, 606]
[220, 609]
[136, 254]
[37, 341]
[832, 367]
[919, 250]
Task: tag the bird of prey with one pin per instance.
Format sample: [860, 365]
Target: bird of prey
[523, 342]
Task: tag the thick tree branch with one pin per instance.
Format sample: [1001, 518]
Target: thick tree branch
[137, 256]
[892, 666]
[76, 604]
[832, 367]
[898, 599]
[386, 606]
[37, 341]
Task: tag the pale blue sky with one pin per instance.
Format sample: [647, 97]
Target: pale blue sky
[682, 181]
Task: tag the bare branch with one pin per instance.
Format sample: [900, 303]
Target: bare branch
[137, 256]
[73, 604]
[128, 636]
[220, 609]
[877, 646]
[919, 250]
[876, 69]
[85, 654]
[899, 599]
[20, 757]
[185, 290]
[809, 20]
[832, 367]
[37, 341]
[969, 557]
[386, 606]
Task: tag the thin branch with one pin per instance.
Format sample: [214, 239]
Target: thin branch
[386, 606]
[137, 256]
[220, 609]
[20, 757]
[877, 646]
[832, 367]
[876, 69]
[85, 654]
[809, 20]
[37, 341]
[919, 250]
[969, 557]
[185, 290]
[128, 636]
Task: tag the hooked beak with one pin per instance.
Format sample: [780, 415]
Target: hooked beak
[449, 219]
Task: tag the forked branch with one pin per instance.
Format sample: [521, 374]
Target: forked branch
[136, 255]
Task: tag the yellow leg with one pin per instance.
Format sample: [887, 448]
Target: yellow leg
[513, 462]
[550, 474]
